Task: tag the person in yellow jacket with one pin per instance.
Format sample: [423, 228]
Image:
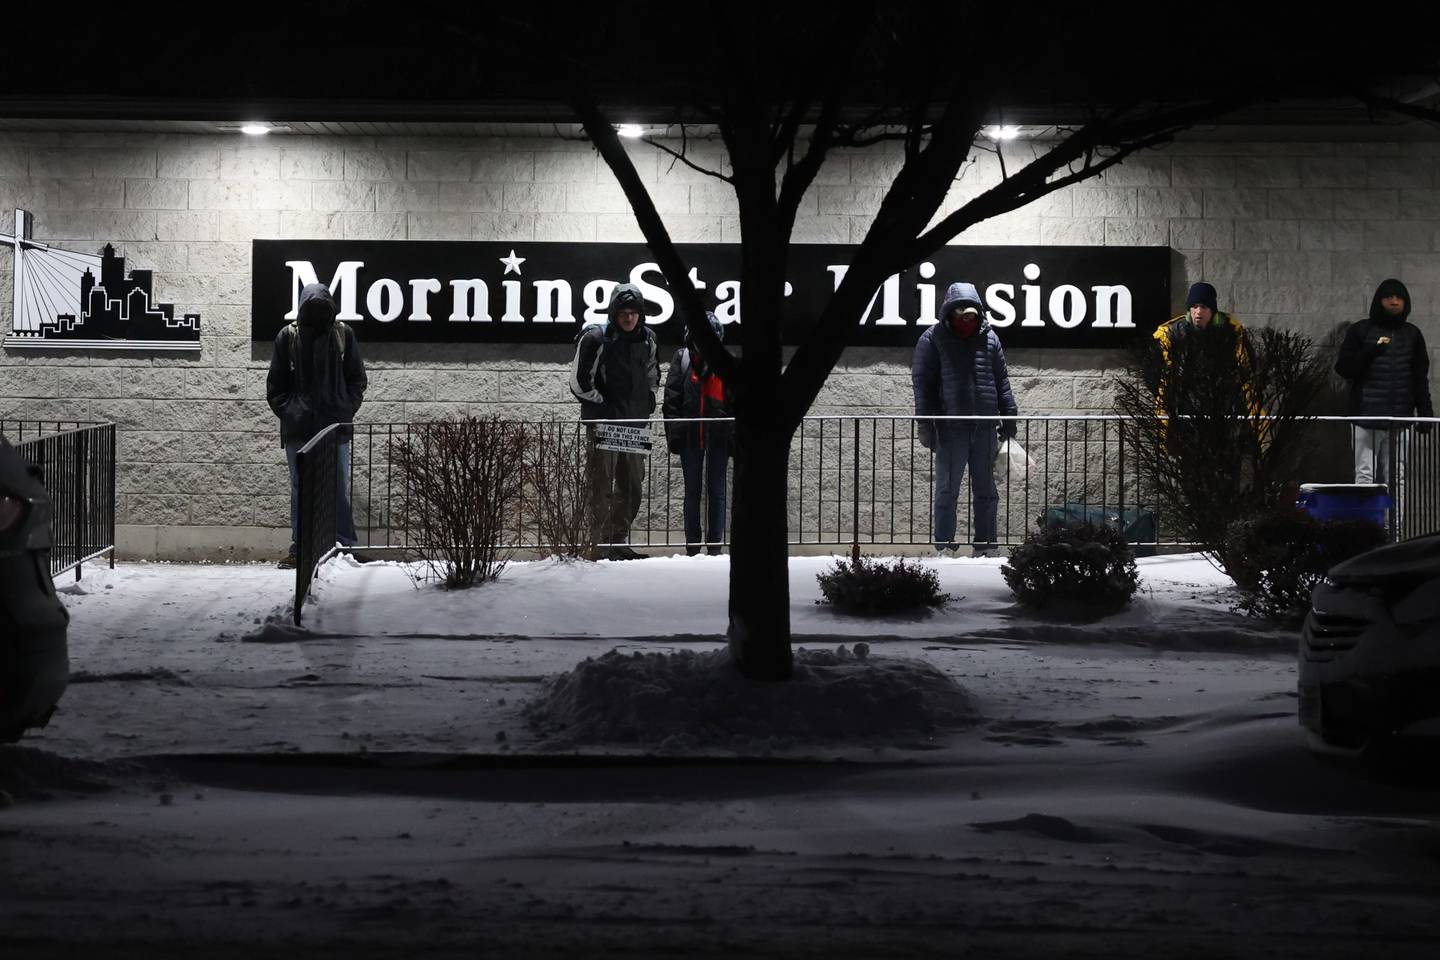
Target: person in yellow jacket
[1202, 313]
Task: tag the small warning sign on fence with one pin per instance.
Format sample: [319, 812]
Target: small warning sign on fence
[622, 438]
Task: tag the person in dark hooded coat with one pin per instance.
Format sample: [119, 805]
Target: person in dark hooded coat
[694, 393]
[614, 376]
[1384, 358]
[317, 378]
[959, 370]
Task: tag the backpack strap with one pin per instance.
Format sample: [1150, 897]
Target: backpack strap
[293, 336]
[342, 337]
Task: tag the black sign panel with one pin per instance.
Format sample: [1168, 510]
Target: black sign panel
[466, 291]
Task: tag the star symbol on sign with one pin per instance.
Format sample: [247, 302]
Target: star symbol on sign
[512, 262]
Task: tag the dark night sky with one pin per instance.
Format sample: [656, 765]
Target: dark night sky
[513, 62]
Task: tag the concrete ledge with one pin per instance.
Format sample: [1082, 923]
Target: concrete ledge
[213, 543]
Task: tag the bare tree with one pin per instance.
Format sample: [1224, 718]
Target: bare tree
[786, 85]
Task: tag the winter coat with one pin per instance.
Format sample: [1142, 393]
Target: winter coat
[1175, 328]
[960, 377]
[615, 374]
[1173, 331]
[1390, 379]
[317, 376]
[692, 391]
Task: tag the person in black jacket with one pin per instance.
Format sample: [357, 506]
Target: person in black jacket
[614, 376]
[693, 392]
[317, 378]
[1384, 358]
[959, 370]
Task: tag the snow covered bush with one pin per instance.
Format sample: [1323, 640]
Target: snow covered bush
[870, 587]
[463, 479]
[558, 497]
[1077, 565]
[1280, 556]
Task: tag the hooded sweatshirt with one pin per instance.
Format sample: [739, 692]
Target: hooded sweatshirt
[955, 376]
[614, 373]
[1390, 378]
[317, 376]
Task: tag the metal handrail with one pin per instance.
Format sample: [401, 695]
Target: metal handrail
[315, 539]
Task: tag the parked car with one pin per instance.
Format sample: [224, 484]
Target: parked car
[34, 659]
[1369, 653]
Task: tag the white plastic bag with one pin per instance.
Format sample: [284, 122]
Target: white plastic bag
[1012, 463]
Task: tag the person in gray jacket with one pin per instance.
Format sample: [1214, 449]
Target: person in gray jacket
[959, 370]
[614, 376]
[316, 378]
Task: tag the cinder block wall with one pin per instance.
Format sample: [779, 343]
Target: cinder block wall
[1292, 234]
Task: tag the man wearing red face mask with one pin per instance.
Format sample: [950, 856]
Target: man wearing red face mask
[959, 371]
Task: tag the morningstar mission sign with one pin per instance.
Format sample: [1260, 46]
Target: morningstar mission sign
[433, 291]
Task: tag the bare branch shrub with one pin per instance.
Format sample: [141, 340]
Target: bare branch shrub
[558, 490]
[1219, 429]
[464, 478]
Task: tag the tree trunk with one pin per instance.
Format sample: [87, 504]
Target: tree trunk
[759, 631]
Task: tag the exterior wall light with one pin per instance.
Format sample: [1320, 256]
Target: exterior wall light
[255, 129]
[631, 130]
[1002, 133]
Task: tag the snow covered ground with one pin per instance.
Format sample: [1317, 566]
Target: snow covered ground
[1137, 785]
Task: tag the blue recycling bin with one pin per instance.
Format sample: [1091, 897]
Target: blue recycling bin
[1345, 501]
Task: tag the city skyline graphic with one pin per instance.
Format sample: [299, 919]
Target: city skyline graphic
[67, 299]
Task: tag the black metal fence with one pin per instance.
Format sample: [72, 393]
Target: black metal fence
[868, 480]
[77, 465]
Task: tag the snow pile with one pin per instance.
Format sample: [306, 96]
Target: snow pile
[275, 630]
[686, 700]
[30, 774]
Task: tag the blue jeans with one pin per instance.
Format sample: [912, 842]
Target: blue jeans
[344, 519]
[975, 446]
[695, 462]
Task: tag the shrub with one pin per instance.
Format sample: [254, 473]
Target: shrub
[870, 587]
[1286, 553]
[1220, 426]
[558, 495]
[1073, 564]
[463, 480]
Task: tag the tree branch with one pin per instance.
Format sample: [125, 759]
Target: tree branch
[783, 135]
[657, 238]
[680, 155]
[1034, 180]
[801, 174]
[853, 136]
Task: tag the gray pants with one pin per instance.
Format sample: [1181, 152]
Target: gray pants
[616, 485]
[1378, 455]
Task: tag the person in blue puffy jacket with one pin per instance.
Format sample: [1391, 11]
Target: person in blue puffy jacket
[959, 370]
